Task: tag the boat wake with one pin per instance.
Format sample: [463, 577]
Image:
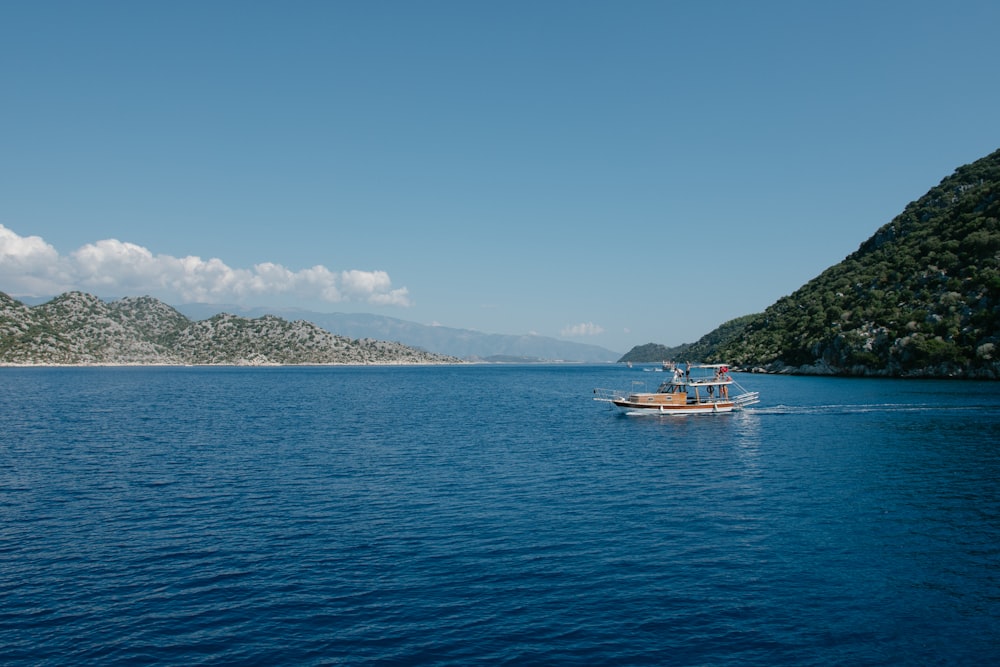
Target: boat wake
[848, 409]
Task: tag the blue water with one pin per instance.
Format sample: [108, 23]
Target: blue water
[492, 514]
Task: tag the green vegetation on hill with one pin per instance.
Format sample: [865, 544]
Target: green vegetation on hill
[654, 353]
[702, 350]
[921, 297]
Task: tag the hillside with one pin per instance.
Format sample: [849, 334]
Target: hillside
[920, 298]
[655, 353]
[77, 328]
[699, 351]
[464, 343]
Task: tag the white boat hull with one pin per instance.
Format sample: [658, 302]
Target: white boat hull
[700, 409]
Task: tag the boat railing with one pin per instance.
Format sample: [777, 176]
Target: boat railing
[608, 395]
[745, 399]
[706, 381]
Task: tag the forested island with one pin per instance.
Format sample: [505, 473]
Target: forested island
[920, 298]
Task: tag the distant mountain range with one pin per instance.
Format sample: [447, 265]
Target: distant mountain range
[465, 344]
[462, 343]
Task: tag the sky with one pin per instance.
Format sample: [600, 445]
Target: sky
[612, 173]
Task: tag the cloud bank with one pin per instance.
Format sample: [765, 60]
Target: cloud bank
[584, 329]
[31, 267]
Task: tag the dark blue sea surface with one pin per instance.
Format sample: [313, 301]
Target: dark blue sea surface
[492, 515]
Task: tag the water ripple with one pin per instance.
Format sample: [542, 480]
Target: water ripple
[300, 516]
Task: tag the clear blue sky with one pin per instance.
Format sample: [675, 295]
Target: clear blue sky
[612, 172]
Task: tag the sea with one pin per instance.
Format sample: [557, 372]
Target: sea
[492, 514]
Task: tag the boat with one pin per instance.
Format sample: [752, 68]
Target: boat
[695, 389]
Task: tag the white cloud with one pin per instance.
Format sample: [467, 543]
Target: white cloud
[31, 267]
[584, 329]
[30, 263]
[372, 286]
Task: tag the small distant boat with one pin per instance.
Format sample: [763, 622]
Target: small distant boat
[697, 389]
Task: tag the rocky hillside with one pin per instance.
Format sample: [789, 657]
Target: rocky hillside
[77, 328]
[464, 343]
[920, 298]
